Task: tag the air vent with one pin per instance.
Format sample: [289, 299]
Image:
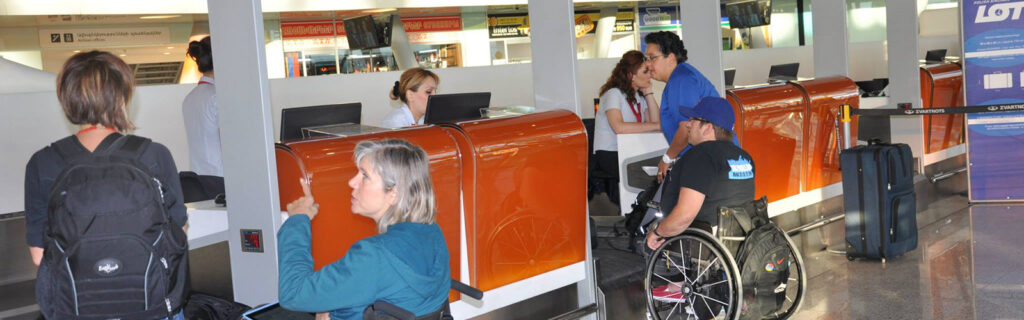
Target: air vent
[156, 73]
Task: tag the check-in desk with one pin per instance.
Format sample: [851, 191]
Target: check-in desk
[770, 126]
[821, 144]
[510, 194]
[636, 151]
[942, 86]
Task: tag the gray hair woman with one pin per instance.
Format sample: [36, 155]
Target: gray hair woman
[406, 264]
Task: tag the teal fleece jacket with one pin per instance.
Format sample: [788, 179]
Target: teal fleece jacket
[406, 266]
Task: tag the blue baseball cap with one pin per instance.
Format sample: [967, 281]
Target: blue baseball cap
[716, 110]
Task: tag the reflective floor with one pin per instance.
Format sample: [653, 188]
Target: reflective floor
[968, 265]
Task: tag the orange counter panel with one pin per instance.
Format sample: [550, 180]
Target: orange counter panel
[530, 208]
[329, 165]
[941, 86]
[770, 127]
[824, 97]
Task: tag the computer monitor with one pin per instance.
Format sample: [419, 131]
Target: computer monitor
[294, 119]
[448, 108]
[935, 56]
[730, 76]
[784, 72]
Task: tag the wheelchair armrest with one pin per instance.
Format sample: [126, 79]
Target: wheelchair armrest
[393, 310]
[467, 290]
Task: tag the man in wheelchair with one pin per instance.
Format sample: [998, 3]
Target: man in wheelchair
[745, 268]
[714, 173]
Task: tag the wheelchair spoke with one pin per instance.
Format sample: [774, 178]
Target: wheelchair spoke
[712, 299]
[682, 270]
[701, 274]
[711, 312]
[714, 284]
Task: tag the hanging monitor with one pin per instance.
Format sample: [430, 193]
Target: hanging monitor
[748, 13]
[366, 33]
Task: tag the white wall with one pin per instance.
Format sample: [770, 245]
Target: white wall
[752, 65]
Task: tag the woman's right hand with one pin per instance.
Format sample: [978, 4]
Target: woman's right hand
[305, 204]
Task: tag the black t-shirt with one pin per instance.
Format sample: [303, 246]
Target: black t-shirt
[44, 166]
[720, 170]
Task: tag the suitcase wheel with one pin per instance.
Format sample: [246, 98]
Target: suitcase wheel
[851, 258]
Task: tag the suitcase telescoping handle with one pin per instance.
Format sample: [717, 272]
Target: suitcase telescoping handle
[844, 118]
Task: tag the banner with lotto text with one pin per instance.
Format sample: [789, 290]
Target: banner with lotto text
[993, 61]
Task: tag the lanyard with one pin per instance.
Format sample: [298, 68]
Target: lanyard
[636, 111]
[91, 129]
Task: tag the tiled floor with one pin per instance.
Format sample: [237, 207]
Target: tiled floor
[967, 265]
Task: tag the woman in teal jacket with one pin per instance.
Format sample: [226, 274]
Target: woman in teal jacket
[406, 264]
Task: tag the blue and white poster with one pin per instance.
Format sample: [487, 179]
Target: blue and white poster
[993, 35]
[654, 19]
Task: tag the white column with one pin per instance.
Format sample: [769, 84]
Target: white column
[605, 28]
[553, 51]
[702, 37]
[831, 40]
[400, 46]
[476, 43]
[250, 169]
[904, 72]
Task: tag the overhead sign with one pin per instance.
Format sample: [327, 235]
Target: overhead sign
[102, 37]
[993, 44]
[518, 25]
[328, 28]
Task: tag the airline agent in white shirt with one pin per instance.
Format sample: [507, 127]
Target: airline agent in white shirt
[413, 88]
[200, 112]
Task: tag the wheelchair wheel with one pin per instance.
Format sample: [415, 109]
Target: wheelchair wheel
[796, 285]
[691, 276]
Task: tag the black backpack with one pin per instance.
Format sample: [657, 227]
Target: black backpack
[112, 251]
[764, 260]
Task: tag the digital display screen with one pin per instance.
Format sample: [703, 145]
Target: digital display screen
[252, 240]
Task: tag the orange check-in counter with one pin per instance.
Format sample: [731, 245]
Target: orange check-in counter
[942, 86]
[823, 99]
[770, 126]
[519, 181]
[791, 132]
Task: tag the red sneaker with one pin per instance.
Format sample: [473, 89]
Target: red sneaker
[668, 293]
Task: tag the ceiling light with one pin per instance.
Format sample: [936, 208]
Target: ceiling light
[167, 53]
[379, 10]
[170, 47]
[166, 16]
[77, 51]
[123, 55]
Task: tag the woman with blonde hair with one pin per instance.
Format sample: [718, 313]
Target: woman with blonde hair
[406, 264]
[412, 88]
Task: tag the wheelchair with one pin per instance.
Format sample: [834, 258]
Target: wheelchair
[695, 275]
[382, 310]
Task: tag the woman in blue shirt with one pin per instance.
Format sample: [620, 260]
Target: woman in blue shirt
[406, 264]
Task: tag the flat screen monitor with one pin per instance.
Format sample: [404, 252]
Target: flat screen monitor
[785, 72]
[748, 13]
[935, 56]
[447, 108]
[294, 119]
[730, 76]
[365, 33]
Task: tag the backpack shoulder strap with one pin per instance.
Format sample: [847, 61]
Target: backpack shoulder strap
[130, 146]
[68, 149]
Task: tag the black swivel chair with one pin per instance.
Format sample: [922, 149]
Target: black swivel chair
[195, 187]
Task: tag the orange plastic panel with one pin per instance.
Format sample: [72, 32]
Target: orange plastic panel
[824, 97]
[530, 207]
[770, 127]
[941, 86]
[329, 165]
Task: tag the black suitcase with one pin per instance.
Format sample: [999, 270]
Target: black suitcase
[881, 207]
